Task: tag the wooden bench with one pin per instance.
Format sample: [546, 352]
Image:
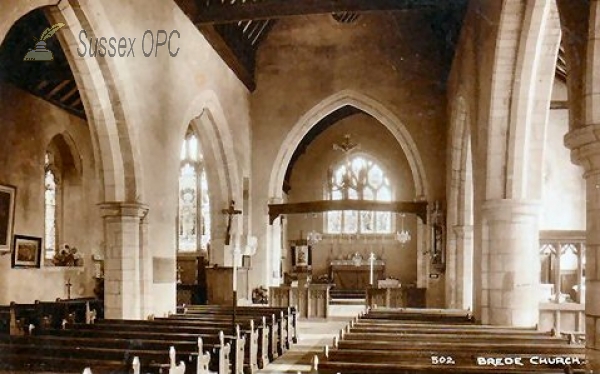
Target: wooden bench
[248, 355]
[289, 313]
[257, 343]
[400, 341]
[286, 330]
[276, 342]
[34, 354]
[219, 349]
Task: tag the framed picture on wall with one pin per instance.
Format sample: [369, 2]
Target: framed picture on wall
[27, 251]
[301, 256]
[7, 216]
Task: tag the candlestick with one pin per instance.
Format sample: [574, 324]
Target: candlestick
[234, 270]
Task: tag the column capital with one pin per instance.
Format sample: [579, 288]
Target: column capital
[584, 143]
[500, 208]
[123, 209]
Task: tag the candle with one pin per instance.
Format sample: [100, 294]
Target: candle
[371, 269]
[234, 269]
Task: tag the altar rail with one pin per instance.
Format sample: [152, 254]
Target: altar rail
[311, 301]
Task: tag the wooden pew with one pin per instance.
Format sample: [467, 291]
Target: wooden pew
[215, 344]
[289, 313]
[34, 354]
[400, 341]
[275, 341]
[255, 350]
[5, 319]
[282, 333]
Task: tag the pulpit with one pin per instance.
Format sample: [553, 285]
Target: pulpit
[355, 274]
[219, 285]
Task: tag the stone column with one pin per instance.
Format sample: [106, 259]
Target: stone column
[584, 144]
[510, 265]
[123, 238]
[464, 265]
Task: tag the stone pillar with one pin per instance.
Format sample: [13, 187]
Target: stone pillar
[124, 285]
[464, 265]
[584, 144]
[510, 265]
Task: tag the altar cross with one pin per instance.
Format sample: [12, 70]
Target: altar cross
[231, 211]
[69, 285]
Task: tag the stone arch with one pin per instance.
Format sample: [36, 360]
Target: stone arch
[367, 105]
[13, 10]
[110, 116]
[460, 208]
[66, 145]
[101, 96]
[208, 120]
[523, 69]
[532, 89]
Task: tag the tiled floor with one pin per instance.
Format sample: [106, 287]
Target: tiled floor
[314, 335]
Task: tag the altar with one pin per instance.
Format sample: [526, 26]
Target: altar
[355, 274]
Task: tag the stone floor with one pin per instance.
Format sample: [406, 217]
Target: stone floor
[314, 334]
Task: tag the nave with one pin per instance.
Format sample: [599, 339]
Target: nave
[352, 340]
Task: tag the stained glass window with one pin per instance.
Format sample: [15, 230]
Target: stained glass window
[50, 206]
[359, 179]
[194, 203]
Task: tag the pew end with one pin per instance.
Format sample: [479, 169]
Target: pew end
[136, 365]
[335, 342]
[203, 359]
[314, 365]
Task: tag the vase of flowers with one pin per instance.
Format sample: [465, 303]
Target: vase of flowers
[67, 256]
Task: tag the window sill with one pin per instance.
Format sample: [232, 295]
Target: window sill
[59, 269]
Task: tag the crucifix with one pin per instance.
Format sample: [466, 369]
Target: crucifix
[231, 211]
[69, 285]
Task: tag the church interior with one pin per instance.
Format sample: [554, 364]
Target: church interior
[416, 160]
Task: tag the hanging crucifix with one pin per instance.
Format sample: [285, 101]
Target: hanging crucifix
[231, 211]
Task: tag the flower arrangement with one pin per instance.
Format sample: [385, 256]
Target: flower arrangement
[67, 256]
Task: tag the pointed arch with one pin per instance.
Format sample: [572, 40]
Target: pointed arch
[111, 118]
[367, 105]
[208, 120]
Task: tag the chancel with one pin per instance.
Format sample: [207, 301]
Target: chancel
[420, 168]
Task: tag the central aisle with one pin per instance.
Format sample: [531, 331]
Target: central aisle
[313, 335]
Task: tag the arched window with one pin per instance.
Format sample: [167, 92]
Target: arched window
[194, 207]
[359, 178]
[51, 204]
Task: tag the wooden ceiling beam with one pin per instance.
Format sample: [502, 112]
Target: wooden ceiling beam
[269, 9]
[419, 208]
[235, 63]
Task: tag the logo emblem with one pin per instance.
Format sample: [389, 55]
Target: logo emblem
[40, 53]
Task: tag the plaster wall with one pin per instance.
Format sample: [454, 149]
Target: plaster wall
[27, 125]
[307, 59]
[308, 183]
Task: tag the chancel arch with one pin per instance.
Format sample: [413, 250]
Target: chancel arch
[353, 157]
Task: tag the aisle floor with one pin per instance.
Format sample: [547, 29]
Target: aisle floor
[314, 335]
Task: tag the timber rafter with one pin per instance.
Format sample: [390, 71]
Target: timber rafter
[227, 12]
